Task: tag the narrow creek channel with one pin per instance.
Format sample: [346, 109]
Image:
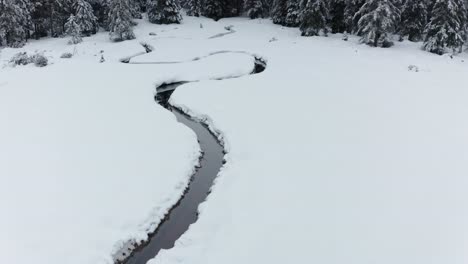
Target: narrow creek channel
[185, 212]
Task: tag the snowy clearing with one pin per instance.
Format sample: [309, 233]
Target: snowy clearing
[337, 152]
[88, 159]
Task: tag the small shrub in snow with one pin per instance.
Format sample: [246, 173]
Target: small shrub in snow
[148, 47]
[66, 55]
[39, 60]
[20, 58]
[345, 37]
[413, 68]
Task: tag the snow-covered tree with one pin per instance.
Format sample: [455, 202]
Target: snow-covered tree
[85, 17]
[292, 13]
[254, 8]
[231, 8]
[194, 7]
[337, 16]
[379, 19]
[350, 11]
[101, 11]
[213, 9]
[314, 18]
[164, 11]
[266, 7]
[15, 21]
[135, 9]
[120, 20]
[278, 11]
[413, 19]
[447, 27]
[73, 30]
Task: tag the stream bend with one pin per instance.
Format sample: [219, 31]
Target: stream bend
[185, 212]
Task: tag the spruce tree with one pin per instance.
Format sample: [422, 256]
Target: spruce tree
[314, 18]
[267, 7]
[446, 29]
[337, 16]
[85, 17]
[15, 21]
[73, 30]
[414, 19]
[213, 9]
[120, 20]
[194, 8]
[101, 11]
[350, 17]
[164, 12]
[278, 11]
[135, 9]
[292, 13]
[231, 8]
[254, 8]
[379, 19]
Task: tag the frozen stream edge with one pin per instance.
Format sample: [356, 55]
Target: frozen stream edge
[185, 212]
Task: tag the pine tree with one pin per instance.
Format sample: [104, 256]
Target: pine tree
[314, 18]
[194, 8]
[85, 17]
[231, 8]
[213, 9]
[266, 7]
[254, 8]
[292, 13]
[447, 28]
[120, 20]
[101, 11]
[350, 17]
[337, 16]
[74, 30]
[135, 9]
[15, 21]
[25, 10]
[379, 19]
[164, 12]
[414, 19]
[278, 12]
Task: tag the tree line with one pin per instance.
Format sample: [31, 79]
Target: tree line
[440, 24]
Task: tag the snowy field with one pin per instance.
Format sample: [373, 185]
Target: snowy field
[337, 152]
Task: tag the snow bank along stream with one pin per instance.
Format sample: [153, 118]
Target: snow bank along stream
[185, 212]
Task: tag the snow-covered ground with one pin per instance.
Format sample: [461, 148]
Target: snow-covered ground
[337, 152]
[88, 160]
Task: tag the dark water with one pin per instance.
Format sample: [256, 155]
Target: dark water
[185, 212]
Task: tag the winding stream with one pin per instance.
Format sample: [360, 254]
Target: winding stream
[185, 212]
